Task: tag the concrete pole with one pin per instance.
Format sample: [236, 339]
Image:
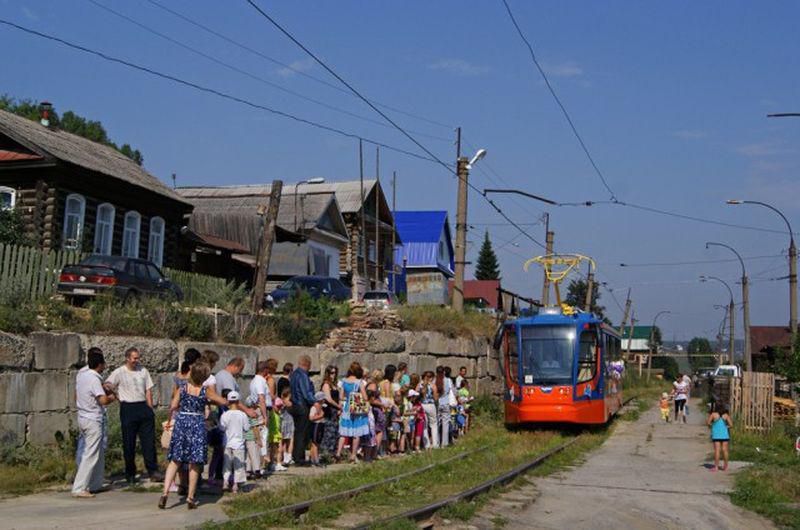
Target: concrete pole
[793, 287]
[731, 316]
[748, 354]
[625, 313]
[549, 236]
[587, 304]
[461, 234]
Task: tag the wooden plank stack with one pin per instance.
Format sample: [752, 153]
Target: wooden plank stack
[784, 408]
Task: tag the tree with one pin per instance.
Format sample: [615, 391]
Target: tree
[487, 267]
[576, 297]
[698, 345]
[70, 122]
[11, 230]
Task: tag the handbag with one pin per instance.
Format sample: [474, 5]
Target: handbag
[166, 434]
[357, 405]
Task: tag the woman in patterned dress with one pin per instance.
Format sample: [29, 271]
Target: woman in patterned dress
[331, 437]
[189, 444]
[352, 426]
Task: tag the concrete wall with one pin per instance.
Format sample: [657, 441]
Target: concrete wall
[37, 372]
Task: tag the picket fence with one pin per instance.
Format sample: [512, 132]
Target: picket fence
[31, 270]
[751, 400]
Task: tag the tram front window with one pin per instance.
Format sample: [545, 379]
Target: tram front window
[547, 354]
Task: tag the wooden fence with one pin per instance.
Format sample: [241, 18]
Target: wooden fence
[32, 270]
[751, 400]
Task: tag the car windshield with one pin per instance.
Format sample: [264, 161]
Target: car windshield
[547, 355]
[376, 295]
[111, 262]
[726, 372]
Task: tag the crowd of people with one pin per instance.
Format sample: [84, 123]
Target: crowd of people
[284, 420]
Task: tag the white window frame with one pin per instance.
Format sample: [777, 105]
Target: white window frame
[104, 247]
[127, 231]
[79, 224]
[155, 246]
[13, 193]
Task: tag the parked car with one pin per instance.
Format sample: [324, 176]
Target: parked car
[380, 299]
[727, 370]
[125, 278]
[316, 286]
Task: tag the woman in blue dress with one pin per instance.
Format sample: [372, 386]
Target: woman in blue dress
[189, 443]
[353, 424]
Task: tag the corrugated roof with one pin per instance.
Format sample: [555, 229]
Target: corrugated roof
[348, 193]
[420, 226]
[763, 338]
[639, 332]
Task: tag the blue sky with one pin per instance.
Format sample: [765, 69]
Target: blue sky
[670, 98]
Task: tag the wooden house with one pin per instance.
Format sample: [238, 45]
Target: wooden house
[310, 235]
[73, 193]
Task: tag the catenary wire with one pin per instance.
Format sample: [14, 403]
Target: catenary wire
[248, 74]
[697, 262]
[289, 67]
[212, 91]
[558, 101]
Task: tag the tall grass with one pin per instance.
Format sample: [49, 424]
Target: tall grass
[469, 324]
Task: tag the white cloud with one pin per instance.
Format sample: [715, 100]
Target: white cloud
[295, 67]
[690, 134]
[565, 69]
[763, 149]
[459, 67]
[29, 13]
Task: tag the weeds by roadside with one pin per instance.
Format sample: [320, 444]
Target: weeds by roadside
[470, 323]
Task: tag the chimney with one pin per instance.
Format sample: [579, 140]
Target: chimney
[45, 107]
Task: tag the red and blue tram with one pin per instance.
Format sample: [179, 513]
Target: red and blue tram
[560, 368]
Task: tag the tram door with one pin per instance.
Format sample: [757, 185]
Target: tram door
[588, 363]
[511, 365]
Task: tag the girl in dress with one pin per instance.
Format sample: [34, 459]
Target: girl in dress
[353, 422]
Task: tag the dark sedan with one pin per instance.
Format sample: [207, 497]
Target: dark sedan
[124, 278]
[316, 286]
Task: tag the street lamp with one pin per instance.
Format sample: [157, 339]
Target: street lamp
[463, 165]
[315, 180]
[792, 263]
[745, 304]
[652, 340]
[731, 312]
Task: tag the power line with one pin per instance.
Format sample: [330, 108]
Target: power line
[287, 66]
[558, 101]
[385, 117]
[212, 91]
[247, 74]
[696, 262]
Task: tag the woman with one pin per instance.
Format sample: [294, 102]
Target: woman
[189, 444]
[430, 397]
[680, 391]
[190, 357]
[353, 424]
[444, 387]
[388, 386]
[331, 410]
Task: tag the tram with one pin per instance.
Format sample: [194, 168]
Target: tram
[560, 365]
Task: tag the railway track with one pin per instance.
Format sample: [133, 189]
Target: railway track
[424, 512]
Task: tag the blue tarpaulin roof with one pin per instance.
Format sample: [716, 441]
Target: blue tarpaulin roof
[420, 232]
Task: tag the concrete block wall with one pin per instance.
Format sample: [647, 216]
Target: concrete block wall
[37, 372]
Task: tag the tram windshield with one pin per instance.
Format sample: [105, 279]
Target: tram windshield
[547, 355]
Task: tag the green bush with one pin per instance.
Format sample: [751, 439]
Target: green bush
[17, 312]
[149, 317]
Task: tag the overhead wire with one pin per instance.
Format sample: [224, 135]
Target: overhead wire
[697, 262]
[386, 117]
[214, 91]
[288, 67]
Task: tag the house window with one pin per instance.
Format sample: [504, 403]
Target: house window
[130, 235]
[104, 229]
[155, 248]
[73, 221]
[8, 198]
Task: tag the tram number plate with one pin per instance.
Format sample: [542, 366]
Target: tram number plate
[528, 379]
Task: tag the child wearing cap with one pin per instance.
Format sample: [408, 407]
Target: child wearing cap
[252, 440]
[234, 423]
[317, 417]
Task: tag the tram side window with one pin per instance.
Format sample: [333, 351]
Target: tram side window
[512, 355]
[587, 357]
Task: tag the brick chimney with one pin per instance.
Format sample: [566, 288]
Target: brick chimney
[45, 108]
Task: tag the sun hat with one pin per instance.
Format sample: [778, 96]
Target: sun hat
[319, 396]
[233, 396]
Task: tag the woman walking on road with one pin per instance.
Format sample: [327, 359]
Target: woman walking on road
[720, 423]
[680, 391]
[189, 444]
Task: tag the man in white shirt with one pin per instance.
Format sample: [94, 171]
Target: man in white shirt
[260, 394]
[90, 398]
[134, 388]
[462, 374]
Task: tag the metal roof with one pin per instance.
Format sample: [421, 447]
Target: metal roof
[348, 193]
[639, 332]
[56, 144]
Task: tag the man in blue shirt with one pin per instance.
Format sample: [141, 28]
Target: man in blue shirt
[302, 399]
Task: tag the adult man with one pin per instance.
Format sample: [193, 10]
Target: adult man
[462, 374]
[134, 388]
[302, 399]
[90, 398]
[226, 378]
[262, 397]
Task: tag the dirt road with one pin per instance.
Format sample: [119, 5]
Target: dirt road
[648, 475]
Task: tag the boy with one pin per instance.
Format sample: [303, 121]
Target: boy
[252, 441]
[317, 418]
[234, 423]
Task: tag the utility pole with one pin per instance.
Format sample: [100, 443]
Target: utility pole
[549, 236]
[394, 229]
[377, 216]
[625, 313]
[748, 356]
[587, 305]
[265, 245]
[652, 344]
[461, 233]
[362, 238]
[731, 314]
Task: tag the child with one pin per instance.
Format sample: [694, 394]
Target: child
[252, 441]
[663, 404]
[720, 423]
[464, 399]
[317, 418]
[234, 423]
[275, 436]
[287, 428]
[419, 418]
[396, 439]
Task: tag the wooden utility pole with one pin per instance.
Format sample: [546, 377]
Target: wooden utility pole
[549, 236]
[461, 234]
[625, 313]
[265, 245]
